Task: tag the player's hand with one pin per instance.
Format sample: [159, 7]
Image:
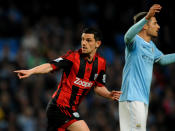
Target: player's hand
[154, 9]
[23, 73]
[115, 95]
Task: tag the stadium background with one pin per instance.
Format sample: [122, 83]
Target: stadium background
[36, 31]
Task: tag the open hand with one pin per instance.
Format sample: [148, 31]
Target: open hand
[154, 9]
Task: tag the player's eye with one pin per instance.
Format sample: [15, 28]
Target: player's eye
[88, 40]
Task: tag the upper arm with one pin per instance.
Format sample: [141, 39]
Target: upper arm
[167, 59]
[130, 43]
[63, 62]
[133, 31]
[128, 40]
[158, 54]
[101, 79]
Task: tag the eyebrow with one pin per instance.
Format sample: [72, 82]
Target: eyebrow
[87, 38]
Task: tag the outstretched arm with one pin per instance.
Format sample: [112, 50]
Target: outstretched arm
[103, 91]
[136, 28]
[167, 59]
[41, 69]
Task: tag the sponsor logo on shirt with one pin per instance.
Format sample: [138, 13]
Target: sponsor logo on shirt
[80, 82]
[147, 58]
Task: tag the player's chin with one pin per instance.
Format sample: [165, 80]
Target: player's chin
[85, 52]
[156, 34]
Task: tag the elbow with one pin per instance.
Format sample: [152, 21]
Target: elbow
[95, 90]
[126, 39]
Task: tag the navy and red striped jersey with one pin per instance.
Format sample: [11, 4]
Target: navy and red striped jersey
[78, 77]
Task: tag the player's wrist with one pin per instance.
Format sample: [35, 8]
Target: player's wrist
[32, 71]
[110, 96]
[147, 17]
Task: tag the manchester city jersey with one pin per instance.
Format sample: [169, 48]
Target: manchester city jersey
[137, 73]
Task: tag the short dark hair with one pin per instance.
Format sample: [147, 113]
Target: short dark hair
[92, 30]
[139, 16]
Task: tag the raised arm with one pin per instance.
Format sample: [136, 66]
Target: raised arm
[136, 28]
[41, 69]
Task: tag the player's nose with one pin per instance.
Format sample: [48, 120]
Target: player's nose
[158, 26]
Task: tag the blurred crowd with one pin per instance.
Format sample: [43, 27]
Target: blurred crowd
[35, 32]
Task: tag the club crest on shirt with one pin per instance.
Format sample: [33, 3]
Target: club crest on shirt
[144, 47]
[76, 114]
[95, 76]
[58, 59]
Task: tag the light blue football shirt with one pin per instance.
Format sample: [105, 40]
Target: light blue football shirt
[137, 72]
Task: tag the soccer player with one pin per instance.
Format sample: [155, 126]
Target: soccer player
[140, 55]
[82, 70]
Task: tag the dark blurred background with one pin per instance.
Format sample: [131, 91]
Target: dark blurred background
[37, 31]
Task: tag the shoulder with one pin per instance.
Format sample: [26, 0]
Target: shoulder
[101, 59]
[69, 55]
[139, 41]
[152, 43]
[138, 38]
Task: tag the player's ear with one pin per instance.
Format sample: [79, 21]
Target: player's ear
[98, 43]
[145, 27]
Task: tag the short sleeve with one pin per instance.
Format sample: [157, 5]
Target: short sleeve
[101, 79]
[157, 54]
[63, 62]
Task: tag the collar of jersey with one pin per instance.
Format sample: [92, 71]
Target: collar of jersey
[80, 52]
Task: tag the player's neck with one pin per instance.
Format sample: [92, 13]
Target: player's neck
[146, 37]
[89, 57]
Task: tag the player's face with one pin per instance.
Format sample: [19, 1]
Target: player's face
[89, 44]
[153, 27]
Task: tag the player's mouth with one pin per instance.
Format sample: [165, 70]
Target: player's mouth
[84, 48]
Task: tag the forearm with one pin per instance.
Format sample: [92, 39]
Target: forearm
[135, 29]
[41, 69]
[102, 91]
[167, 59]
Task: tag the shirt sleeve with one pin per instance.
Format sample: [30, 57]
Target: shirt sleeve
[133, 31]
[158, 54]
[101, 79]
[167, 59]
[63, 62]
